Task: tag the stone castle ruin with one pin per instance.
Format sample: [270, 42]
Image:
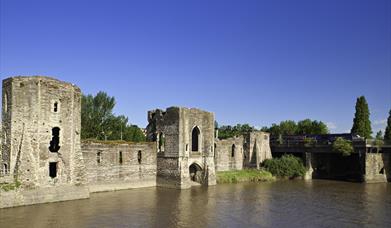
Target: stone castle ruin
[41, 148]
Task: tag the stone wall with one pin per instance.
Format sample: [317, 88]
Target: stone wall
[113, 166]
[247, 151]
[23, 197]
[229, 154]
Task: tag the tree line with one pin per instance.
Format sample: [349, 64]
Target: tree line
[361, 126]
[100, 123]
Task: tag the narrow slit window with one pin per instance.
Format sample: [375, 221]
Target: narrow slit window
[53, 169]
[55, 108]
[139, 157]
[99, 157]
[120, 158]
[233, 150]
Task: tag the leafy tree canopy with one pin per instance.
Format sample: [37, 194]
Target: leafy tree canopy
[228, 131]
[379, 135]
[99, 122]
[303, 127]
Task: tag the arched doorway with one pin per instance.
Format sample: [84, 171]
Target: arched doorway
[195, 139]
[195, 172]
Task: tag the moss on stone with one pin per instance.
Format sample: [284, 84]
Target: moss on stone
[9, 186]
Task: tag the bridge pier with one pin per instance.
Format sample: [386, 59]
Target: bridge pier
[376, 168]
[307, 159]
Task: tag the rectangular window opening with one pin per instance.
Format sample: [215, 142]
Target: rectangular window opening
[120, 158]
[53, 169]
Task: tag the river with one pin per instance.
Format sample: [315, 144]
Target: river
[316, 203]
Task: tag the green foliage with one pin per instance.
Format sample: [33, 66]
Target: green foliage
[99, 122]
[303, 127]
[10, 186]
[229, 131]
[387, 133]
[311, 127]
[288, 127]
[378, 143]
[247, 175]
[343, 146]
[379, 135]
[287, 166]
[309, 142]
[361, 122]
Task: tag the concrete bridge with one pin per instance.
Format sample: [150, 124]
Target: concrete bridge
[368, 163]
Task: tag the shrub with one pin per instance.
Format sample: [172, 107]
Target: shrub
[343, 146]
[286, 166]
[247, 175]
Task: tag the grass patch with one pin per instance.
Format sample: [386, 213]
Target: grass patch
[112, 142]
[247, 175]
[9, 186]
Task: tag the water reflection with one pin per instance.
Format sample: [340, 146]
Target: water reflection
[279, 204]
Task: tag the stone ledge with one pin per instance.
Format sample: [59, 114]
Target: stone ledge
[42, 195]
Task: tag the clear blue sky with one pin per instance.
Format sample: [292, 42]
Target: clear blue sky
[256, 62]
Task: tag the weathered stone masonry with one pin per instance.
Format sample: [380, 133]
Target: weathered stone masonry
[114, 166]
[41, 136]
[41, 147]
[247, 151]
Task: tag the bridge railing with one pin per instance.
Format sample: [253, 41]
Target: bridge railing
[309, 141]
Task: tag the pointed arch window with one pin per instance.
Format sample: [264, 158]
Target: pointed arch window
[195, 139]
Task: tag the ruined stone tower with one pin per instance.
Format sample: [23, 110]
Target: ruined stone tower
[185, 146]
[256, 149]
[41, 132]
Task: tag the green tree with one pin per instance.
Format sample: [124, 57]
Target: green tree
[361, 122]
[319, 128]
[379, 135]
[228, 131]
[96, 115]
[387, 133]
[288, 127]
[303, 127]
[343, 146]
[99, 122]
[275, 130]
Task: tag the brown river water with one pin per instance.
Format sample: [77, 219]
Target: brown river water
[316, 203]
